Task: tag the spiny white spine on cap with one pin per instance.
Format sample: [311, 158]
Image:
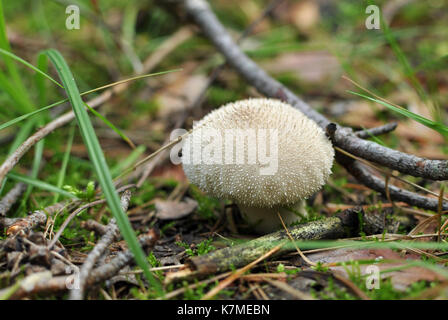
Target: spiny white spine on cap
[305, 155]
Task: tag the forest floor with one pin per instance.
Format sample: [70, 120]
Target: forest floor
[307, 46]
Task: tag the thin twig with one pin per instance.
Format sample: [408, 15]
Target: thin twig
[70, 218]
[111, 234]
[11, 197]
[367, 133]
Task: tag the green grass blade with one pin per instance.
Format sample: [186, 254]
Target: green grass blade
[29, 65]
[4, 44]
[40, 184]
[39, 79]
[20, 99]
[27, 115]
[38, 152]
[22, 135]
[437, 126]
[62, 172]
[99, 162]
[30, 114]
[112, 126]
[24, 100]
[42, 65]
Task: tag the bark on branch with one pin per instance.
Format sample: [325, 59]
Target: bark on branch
[346, 224]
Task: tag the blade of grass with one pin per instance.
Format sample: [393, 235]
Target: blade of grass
[30, 114]
[39, 77]
[4, 44]
[40, 184]
[2, 187]
[21, 136]
[437, 126]
[18, 140]
[374, 138]
[38, 152]
[22, 97]
[62, 172]
[112, 126]
[29, 65]
[99, 162]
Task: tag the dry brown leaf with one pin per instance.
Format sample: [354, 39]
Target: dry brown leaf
[181, 93]
[171, 210]
[312, 66]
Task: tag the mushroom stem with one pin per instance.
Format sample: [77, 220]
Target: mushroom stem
[265, 220]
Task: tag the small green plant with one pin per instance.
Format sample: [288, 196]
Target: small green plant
[194, 293]
[201, 248]
[435, 125]
[86, 195]
[154, 263]
[205, 247]
[280, 267]
[320, 267]
[153, 260]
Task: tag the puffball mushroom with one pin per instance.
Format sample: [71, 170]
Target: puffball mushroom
[286, 159]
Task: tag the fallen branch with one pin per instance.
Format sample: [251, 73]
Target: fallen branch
[345, 224]
[361, 173]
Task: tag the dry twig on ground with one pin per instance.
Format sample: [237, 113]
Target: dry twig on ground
[111, 234]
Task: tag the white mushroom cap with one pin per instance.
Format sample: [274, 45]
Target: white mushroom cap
[304, 155]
